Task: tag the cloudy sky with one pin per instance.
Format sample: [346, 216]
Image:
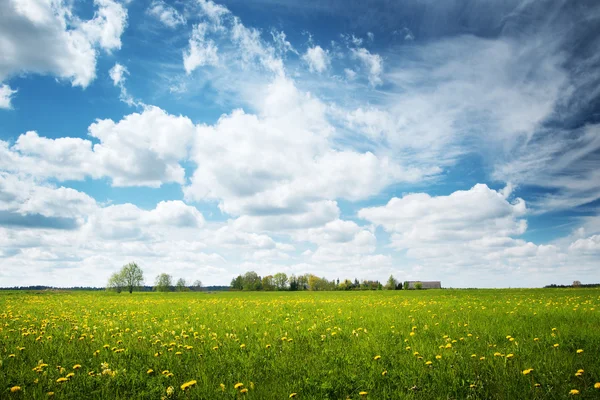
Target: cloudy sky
[455, 141]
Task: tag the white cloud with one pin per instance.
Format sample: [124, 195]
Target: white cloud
[373, 63]
[45, 37]
[117, 74]
[6, 94]
[201, 51]
[107, 26]
[318, 60]
[143, 149]
[419, 220]
[166, 14]
[590, 245]
[298, 165]
[350, 74]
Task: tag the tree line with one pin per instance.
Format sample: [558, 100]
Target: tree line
[131, 277]
[251, 281]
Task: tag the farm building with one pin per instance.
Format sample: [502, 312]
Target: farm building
[425, 284]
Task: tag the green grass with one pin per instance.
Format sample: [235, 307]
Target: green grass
[320, 345]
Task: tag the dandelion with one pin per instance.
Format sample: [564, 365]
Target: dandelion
[472, 386]
[376, 358]
[244, 390]
[363, 393]
[188, 385]
[50, 394]
[597, 385]
[170, 390]
[537, 385]
[238, 385]
[222, 385]
[579, 351]
[242, 346]
[556, 345]
[574, 392]
[61, 380]
[292, 395]
[481, 358]
[76, 366]
[15, 389]
[509, 356]
[527, 371]
[150, 371]
[438, 357]
[11, 356]
[268, 346]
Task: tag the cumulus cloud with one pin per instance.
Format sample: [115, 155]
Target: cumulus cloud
[201, 51]
[45, 37]
[318, 60]
[417, 220]
[6, 94]
[166, 14]
[373, 63]
[143, 149]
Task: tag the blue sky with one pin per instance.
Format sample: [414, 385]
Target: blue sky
[457, 141]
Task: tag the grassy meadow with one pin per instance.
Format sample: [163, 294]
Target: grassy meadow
[444, 344]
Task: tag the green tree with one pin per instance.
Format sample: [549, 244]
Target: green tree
[418, 285]
[237, 283]
[197, 286]
[281, 281]
[130, 277]
[163, 283]
[391, 283]
[181, 285]
[251, 281]
[116, 282]
[406, 285]
[268, 283]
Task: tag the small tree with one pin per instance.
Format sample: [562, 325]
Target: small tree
[197, 286]
[406, 285]
[163, 283]
[116, 282]
[130, 277]
[237, 283]
[181, 285]
[418, 285]
[268, 283]
[133, 276]
[281, 280]
[391, 283]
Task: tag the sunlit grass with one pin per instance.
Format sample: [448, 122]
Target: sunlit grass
[397, 344]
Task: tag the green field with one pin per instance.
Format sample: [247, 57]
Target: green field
[444, 344]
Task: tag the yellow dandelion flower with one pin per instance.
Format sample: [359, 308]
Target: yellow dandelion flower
[580, 371]
[292, 395]
[481, 358]
[556, 345]
[597, 385]
[384, 373]
[537, 385]
[376, 358]
[170, 390]
[50, 394]
[11, 356]
[438, 357]
[242, 346]
[61, 380]
[579, 351]
[412, 334]
[363, 393]
[15, 389]
[472, 385]
[188, 385]
[574, 392]
[536, 339]
[429, 363]
[150, 371]
[244, 390]
[70, 375]
[527, 371]
[222, 385]
[238, 385]
[76, 366]
[496, 354]
[509, 356]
